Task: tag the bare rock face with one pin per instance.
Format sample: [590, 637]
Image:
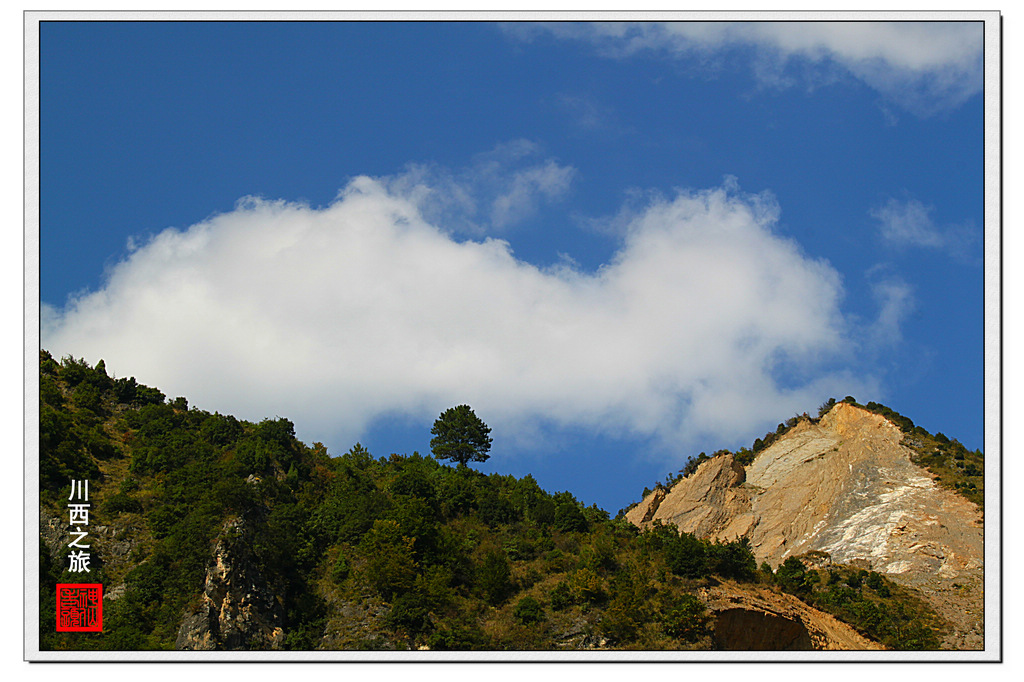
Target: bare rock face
[710, 503]
[110, 545]
[237, 611]
[749, 618]
[847, 487]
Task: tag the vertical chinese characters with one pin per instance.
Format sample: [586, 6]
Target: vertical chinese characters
[79, 605]
[78, 518]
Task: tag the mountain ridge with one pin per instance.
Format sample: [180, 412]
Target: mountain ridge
[845, 485]
[211, 533]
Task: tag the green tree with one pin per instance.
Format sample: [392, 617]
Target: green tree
[732, 560]
[826, 406]
[686, 618]
[461, 436]
[391, 567]
[528, 610]
[687, 556]
[793, 577]
[494, 577]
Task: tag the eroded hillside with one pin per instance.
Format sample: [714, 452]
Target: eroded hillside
[845, 485]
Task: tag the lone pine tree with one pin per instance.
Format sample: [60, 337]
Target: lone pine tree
[461, 436]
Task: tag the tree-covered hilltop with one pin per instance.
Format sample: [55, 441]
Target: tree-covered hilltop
[347, 552]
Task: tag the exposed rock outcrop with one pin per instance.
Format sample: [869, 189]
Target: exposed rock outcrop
[711, 503]
[845, 486]
[237, 610]
[749, 618]
[110, 545]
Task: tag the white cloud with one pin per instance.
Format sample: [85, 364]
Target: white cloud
[499, 189]
[338, 315]
[548, 180]
[895, 300]
[585, 111]
[924, 67]
[908, 223]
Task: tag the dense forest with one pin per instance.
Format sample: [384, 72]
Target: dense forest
[392, 552]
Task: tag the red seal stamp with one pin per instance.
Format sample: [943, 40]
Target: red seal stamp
[79, 607]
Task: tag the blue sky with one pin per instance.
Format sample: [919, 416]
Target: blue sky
[621, 244]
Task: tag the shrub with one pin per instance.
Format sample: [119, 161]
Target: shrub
[341, 569]
[528, 610]
[686, 556]
[494, 577]
[457, 637]
[122, 502]
[391, 568]
[559, 597]
[408, 613]
[686, 619]
[825, 407]
[629, 605]
[733, 560]
[569, 518]
[585, 587]
[792, 577]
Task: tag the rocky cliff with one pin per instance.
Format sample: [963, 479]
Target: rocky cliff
[238, 609]
[844, 485]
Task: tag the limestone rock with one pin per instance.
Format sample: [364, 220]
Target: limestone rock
[237, 611]
[709, 503]
[845, 486]
[111, 545]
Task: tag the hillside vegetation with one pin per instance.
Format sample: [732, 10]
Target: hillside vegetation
[365, 552]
